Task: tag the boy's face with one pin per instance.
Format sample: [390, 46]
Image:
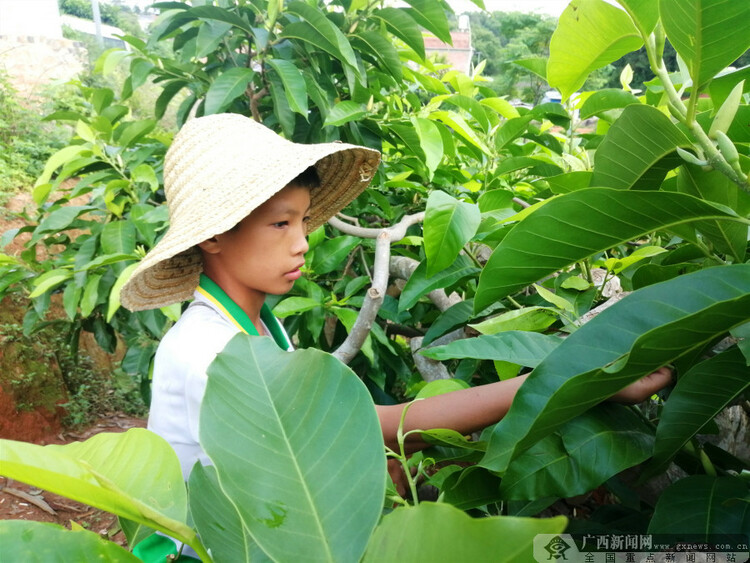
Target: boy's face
[263, 254]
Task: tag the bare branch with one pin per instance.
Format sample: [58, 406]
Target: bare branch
[376, 293]
[521, 202]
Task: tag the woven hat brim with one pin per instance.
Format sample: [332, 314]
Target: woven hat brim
[171, 270]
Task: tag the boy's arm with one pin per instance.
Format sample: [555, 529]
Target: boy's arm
[470, 410]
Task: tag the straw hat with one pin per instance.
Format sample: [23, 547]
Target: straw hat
[219, 169]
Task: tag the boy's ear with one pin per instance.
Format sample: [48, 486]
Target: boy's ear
[210, 246]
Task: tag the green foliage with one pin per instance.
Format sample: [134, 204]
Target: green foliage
[294, 506]
[531, 223]
[25, 141]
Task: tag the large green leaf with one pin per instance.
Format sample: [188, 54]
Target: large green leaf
[332, 253]
[441, 532]
[605, 100]
[118, 237]
[580, 456]
[297, 447]
[324, 34]
[576, 225]
[24, 540]
[706, 33]
[430, 141]
[727, 237]
[517, 347]
[107, 472]
[216, 518]
[345, 111]
[589, 35]
[383, 50]
[448, 225]
[700, 394]
[229, 86]
[638, 150]
[432, 16]
[294, 84]
[649, 328]
[403, 26]
[703, 505]
[645, 14]
[455, 316]
[420, 284]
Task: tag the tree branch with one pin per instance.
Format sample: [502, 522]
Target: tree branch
[376, 293]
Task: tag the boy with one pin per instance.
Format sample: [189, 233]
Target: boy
[241, 201]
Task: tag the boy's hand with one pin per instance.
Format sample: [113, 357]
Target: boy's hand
[643, 388]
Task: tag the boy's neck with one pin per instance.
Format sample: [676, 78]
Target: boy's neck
[249, 300]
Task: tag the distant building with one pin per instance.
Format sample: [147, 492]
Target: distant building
[458, 55]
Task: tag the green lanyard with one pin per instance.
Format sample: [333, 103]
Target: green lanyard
[208, 289]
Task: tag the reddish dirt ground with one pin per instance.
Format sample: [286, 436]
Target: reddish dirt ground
[19, 501]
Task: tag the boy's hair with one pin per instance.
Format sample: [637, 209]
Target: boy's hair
[308, 178]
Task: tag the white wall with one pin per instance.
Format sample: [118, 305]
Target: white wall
[38, 18]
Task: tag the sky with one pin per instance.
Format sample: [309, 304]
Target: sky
[548, 7]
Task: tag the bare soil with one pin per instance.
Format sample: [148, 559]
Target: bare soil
[19, 501]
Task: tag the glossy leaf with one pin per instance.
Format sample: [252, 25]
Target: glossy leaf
[107, 472]
[605, 100]
[582, 455]
[727, 237]
[471, 488]
[403, 26]
[528, 318]
[431, 16]
[430, 141]
[455, 316]
[419, 284]
[322, 32]
[537, 65]
[590, 34]
[294, 85]
[645, 330]
[268, 419]
[294, 306]
[49, 280]
[700, 394]
[449, 224]
[216, 518]
[638, 150]
[332, 253]
[703, 35]
[518, 347]
[218, 14]
[645, 14]
[344, 112]
[114, 294]
[118, 237]
[701, 505]
[441, 532]
[595, 219]
[383, 50]
[25, 540]
[229, 86]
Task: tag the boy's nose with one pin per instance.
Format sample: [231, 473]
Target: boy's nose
[300, 244]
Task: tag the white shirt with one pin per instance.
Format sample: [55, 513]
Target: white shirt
[179, 379]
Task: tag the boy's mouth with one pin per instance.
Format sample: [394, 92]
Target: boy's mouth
[294, 274]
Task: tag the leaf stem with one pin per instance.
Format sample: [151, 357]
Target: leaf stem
[714, 157]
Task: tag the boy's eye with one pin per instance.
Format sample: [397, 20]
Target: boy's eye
[306, 219]
[281, 224]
